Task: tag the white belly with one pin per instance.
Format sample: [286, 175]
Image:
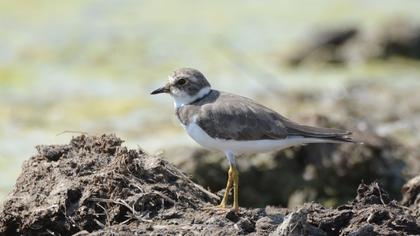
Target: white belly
[242, 147]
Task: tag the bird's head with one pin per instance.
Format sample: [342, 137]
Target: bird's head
[185, 85]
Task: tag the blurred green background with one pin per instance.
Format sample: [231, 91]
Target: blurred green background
[89, 66]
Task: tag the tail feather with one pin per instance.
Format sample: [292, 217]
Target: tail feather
[327, 134]
[343, 139]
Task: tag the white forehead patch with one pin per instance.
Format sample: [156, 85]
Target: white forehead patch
[171, 79]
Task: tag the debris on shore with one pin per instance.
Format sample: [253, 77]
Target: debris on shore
[95, 186]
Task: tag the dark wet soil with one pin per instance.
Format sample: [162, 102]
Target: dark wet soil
[95, 186]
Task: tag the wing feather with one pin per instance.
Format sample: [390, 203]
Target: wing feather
[239, 118]
[228, 116]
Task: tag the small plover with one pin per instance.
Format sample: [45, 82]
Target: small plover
[236, 125]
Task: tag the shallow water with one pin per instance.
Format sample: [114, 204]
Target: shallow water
[88, 66]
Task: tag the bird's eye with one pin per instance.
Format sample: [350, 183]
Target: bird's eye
[181, 82]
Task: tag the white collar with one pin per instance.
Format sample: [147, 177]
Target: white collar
[180, 101]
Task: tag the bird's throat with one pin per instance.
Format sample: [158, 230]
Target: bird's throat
[185, 99]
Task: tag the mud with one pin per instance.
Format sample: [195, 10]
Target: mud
[95, 186]
[93, 183]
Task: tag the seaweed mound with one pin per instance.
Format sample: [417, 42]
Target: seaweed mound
[95, 186]
[93, 183]
[372, 212]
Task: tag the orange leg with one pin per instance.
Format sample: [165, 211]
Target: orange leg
[228, 188]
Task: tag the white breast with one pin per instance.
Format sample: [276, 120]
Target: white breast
[242, 147]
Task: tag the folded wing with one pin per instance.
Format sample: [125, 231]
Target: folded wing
[240, 118]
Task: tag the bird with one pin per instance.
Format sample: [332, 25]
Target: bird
[236, 125]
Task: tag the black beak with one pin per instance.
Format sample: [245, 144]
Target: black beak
[160, 90]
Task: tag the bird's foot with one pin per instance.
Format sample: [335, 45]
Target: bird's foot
[222, 205]
[216, 209]
[220, 209]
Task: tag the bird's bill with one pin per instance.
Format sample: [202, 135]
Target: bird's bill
[163, 89]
